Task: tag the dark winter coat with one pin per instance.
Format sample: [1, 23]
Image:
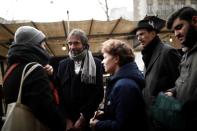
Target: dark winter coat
[124, 108]
[36, 90]
[162, 70]
[78, 97]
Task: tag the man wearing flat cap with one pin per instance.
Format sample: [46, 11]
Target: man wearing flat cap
[160, 59]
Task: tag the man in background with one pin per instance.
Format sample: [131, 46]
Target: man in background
[81, 82]
[160, 59]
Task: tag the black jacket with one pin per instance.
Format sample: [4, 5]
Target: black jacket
[77, 97]
[36, 94]
[162, 70]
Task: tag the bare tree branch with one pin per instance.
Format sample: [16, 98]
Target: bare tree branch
[105, 8]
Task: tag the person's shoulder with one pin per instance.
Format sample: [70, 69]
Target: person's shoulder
[169, 50]
[97, 60]
[64, 61]
[126, 84]
[125, 81]
[168, 46]
[38, 71]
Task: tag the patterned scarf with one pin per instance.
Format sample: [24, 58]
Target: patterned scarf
[88, 74]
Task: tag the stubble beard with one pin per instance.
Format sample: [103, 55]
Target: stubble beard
[191, 37]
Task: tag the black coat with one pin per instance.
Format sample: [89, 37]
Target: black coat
[36, 94]
[162, 70]
[77, 97]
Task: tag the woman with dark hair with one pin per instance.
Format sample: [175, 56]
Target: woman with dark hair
[124, 108]
[29, 46]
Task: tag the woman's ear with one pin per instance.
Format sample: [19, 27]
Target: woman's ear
[194, 21]
[117, 58]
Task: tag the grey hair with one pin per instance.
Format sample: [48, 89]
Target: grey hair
[81, 34]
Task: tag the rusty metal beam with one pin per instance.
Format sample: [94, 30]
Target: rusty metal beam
[34, 24]
[64, 27]
[4, 46]
[94, 36]
[118, 21]
[90, 29]
[7, 29]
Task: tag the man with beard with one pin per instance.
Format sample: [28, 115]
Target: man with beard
[81, 82]
[184, 24]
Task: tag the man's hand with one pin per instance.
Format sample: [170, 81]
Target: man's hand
[169, 93]
[93, 123]
[98, 114]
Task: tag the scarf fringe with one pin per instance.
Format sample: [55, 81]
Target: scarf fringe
[88, 79]
[88, 74]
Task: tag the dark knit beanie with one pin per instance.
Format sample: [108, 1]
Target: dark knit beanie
[28, 34]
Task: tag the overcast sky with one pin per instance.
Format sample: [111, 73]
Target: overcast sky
[55, 10]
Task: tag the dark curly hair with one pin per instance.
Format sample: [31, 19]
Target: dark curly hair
[185, 13]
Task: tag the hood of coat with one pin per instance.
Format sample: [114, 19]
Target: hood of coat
[129, 71]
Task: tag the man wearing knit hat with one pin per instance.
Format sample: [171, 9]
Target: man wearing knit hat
[81, 82]
[160, 59]
[28, 46]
